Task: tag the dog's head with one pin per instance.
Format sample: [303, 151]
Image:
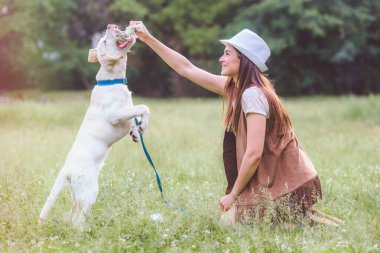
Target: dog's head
[115, 43]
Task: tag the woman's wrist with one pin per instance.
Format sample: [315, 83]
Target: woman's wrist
[235, 195]
[149, 39]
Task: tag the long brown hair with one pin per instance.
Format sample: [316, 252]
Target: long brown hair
[249, 75]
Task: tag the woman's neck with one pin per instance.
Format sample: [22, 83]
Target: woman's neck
[236, 81]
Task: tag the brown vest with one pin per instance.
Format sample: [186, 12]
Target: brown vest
[283, 167]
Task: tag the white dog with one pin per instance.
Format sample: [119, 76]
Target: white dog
[109, 118]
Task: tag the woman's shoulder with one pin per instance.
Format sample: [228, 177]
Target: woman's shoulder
[254, 100]
[253, 91]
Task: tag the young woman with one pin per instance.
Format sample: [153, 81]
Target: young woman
[262, 158]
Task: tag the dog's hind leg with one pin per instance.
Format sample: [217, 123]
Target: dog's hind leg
[82, 204]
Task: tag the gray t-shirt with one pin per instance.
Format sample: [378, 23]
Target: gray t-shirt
[254, 101]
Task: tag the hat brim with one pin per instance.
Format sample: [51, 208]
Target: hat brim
[254, 59]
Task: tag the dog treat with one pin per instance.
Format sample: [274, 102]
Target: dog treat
[130, 30]
[123, 36]
[156, 217]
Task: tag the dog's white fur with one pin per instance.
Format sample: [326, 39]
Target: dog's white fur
[109, 117]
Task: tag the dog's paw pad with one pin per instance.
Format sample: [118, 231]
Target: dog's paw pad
[134, 133]
[135, 138]
[141, 130]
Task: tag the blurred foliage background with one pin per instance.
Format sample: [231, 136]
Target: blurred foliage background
[318, 47]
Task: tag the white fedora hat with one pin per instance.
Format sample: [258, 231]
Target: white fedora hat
[252, 46]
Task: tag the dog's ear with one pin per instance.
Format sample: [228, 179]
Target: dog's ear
[92, 55]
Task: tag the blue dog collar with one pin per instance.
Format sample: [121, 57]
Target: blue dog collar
[112, 82]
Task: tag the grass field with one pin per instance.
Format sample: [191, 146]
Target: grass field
[184, 137]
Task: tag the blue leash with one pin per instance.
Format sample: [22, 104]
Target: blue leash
[167, 202]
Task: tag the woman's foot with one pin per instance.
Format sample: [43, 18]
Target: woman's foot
[319, 217]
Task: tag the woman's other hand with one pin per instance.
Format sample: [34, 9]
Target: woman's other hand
[226, 202]
[142, 34]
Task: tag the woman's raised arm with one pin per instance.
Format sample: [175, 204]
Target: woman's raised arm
[181, 64]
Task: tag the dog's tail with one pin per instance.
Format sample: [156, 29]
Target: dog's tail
[57, 188]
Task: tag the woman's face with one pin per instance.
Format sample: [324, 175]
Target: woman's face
[230, 62]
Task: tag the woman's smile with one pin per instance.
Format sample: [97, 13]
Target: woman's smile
[230, 62]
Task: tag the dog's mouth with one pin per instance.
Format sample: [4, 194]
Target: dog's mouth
[123, 39]
[123, 44]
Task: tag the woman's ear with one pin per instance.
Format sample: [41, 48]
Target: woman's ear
[92, 55]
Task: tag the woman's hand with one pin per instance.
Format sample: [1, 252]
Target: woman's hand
[226, 202]
[143, 34]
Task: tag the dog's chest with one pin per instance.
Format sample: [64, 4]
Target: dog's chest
[105, 103]
[111, 97]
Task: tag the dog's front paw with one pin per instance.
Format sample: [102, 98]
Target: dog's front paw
[144, 122]
[134, 133]
[142, 127]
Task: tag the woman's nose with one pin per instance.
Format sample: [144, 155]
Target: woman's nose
[221, 59]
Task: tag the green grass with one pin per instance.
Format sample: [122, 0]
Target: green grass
[184, 137]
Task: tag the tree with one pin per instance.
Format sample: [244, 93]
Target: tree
[54, 38]
[10, 43]
[318, 47]
[329, 47]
